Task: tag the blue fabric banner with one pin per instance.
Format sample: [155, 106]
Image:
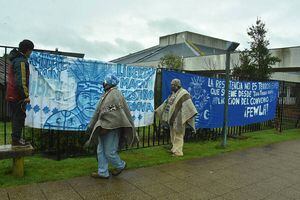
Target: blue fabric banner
[249, 102]
[64, 91]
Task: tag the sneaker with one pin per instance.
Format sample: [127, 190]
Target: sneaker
[24, 141]
[19, 143]
[96, 175]
[116, 172]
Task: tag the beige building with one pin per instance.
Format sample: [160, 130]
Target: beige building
[207, 54]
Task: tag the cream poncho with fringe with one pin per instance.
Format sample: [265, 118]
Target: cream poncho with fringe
[179, 112]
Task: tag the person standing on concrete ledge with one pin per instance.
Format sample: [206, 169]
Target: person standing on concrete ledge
[17, 94]
[111, 128]
[178, 113]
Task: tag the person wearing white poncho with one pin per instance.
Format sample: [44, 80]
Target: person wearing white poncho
[178, 111]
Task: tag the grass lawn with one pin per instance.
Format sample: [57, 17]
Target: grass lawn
[39, 169]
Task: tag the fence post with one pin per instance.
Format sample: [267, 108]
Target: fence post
[4, 101]
[58, 156]
[225, 120]
[282, 107]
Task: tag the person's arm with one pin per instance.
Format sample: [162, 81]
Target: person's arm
[160, 109]
[190, 125]
[21, 78]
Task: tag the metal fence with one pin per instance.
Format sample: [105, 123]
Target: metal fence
[62, 144]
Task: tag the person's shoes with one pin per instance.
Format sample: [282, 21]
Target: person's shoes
[96, 175]
[116, 172]
[19, 143]
[177, 155]
[24, 141]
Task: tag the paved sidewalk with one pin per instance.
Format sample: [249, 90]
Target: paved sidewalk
[271, 173]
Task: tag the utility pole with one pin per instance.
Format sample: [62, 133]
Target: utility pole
[231, 46]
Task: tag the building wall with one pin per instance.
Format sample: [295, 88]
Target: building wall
[290, 60]
[286, 76]
[194, 38]
[290, 57]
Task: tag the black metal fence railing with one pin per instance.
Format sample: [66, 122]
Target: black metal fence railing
[61, 144]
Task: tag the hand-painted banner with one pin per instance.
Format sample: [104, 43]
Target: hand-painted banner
[249, 102]
[64, 91]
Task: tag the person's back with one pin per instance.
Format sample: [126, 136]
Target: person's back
[15, 88]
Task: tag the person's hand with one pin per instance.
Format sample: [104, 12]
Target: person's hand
[23, 104]
[189, 128]
[88, 130]
[165, 126]
[27, 100]
[87, 144]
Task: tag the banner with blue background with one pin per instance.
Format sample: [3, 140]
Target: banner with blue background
[249, 102]
[64, 91]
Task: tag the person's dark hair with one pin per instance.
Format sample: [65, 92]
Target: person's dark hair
[26, 45]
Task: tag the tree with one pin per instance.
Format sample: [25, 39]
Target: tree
[256, 63]
[171, 61]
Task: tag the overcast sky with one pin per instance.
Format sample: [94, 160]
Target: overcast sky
[113, 28]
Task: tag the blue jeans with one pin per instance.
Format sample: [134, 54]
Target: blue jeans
[107, 152]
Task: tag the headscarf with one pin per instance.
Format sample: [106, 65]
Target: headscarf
[111, 80]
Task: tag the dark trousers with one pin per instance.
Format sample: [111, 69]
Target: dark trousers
[17, 116]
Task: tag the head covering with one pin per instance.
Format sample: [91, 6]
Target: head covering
[176, 82]
[111, 79]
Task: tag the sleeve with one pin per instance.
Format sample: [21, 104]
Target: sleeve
[21, 78]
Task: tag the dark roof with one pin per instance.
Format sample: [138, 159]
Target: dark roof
[131, 58]
[154, 53]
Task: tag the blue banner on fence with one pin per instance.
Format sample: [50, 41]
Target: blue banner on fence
[249, 102]
[64, 91]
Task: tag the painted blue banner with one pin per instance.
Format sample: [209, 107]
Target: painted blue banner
[249, 102]
[64, 91]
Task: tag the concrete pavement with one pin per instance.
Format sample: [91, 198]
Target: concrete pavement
[270, 173]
